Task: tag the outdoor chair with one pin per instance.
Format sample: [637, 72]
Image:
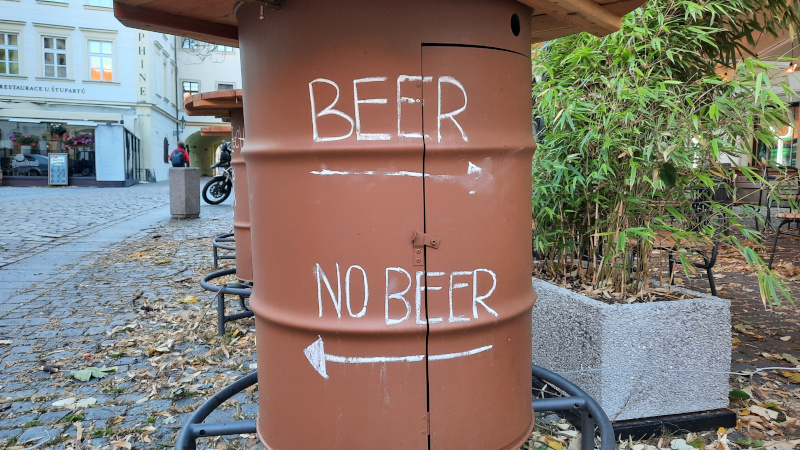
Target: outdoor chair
[672, 243]
[786, 192]
[748, 193]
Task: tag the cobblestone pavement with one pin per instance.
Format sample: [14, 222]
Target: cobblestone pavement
[105, 279]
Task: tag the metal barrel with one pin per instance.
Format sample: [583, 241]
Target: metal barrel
[388, 155]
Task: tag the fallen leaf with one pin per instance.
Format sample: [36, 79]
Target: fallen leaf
[785, 338]
[64, 402]
[164, 261]
[680, 444]
[790, 358]
[83, 403]
[89, 372]
[764, 412]
[738, 394]
[794, 377]
[554, 444]
[121, 444]
[189, 299]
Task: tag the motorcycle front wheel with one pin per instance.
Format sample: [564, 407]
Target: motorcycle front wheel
[216, 190]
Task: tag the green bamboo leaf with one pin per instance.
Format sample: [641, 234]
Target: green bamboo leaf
[669, 175]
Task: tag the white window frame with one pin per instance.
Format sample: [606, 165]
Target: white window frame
[165, 82]
[103, 57]
[99, 35]
[184, 92]
[100, 3]
[188, 43]
[8, 47]
[56, 52]
[56, 32]
[220, 86]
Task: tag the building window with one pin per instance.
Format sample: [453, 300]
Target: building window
[224, 86]
[225, 48]
[55, 56]
[103, 3]
[164, 82]
[101, 60]
[188, 43]
[190, 88]
[9, 54]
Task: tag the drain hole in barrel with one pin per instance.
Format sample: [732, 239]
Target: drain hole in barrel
[515, 27]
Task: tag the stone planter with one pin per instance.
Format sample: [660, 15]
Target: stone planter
[639, 360]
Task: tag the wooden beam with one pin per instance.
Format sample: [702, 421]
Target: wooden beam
[204, 30]
[583, 15]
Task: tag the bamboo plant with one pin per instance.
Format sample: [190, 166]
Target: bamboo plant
[638, 125]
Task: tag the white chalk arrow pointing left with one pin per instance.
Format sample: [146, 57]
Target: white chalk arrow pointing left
[317, 357]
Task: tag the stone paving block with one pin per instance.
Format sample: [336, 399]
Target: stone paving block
[18, 421]
[20, 407]
[17, 357]
[19, 367]
[54, 416]
[42, 375]
[70, 332]
[250, 410]
[15, 386]
[74, 320]
[221, 415]
[45, 334]
[21, 393]
[39, 435]
[147, 408]
[104, 412]
[97, 330]
[6, 435]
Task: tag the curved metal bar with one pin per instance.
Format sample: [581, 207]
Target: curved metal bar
[194, 428]
[220, 242]
[234, 289]
[591, 413]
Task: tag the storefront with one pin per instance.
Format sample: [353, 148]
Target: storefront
[783, 149]
[26, 143]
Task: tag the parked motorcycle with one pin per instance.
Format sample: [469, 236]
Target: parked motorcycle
[219, 188]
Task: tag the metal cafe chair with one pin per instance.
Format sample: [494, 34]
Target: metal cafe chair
[785, 191]
[747, 193]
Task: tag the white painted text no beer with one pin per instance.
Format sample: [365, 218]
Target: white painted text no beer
[398, 285]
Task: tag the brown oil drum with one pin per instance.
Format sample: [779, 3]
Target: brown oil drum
[241, 205]
[388, 153]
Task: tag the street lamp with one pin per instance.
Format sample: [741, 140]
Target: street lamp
[180, 126]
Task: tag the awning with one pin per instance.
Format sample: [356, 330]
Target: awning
[21, 120]
[69, 117]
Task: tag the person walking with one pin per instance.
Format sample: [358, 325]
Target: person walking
[180, 156]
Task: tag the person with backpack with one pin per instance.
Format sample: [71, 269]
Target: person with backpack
[180, 156]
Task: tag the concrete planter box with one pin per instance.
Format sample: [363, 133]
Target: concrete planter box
[639, 360]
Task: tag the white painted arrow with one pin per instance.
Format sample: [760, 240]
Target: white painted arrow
[315, 353]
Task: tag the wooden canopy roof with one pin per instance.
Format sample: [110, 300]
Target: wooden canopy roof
[213, 20]
[214, 103]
